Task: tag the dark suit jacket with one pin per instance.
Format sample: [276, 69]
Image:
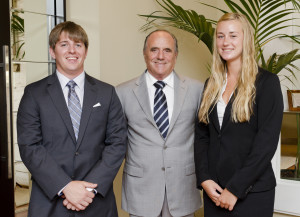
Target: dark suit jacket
[49, 150]
[238, 156]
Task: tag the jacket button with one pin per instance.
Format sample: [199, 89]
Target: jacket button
[163, 169]
[219, 136]
[165, 147]
[77, 153]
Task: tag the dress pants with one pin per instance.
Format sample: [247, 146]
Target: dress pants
[165, 211]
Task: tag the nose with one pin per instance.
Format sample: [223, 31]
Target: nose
[226, 40]
[72, 48]
[160, 55]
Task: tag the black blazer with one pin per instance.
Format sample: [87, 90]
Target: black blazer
[53, 156]
[238, 156]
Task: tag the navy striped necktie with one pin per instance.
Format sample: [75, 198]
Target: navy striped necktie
[160, 111]
[74, 107]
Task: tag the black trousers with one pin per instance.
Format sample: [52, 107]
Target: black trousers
[256, 204]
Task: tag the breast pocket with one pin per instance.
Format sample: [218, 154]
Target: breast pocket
[97, 109]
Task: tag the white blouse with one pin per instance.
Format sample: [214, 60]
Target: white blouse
[221, 105]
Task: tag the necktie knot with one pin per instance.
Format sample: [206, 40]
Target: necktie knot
[159, 84]
[71, 84]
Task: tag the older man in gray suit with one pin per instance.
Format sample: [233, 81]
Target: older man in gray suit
[161, 110]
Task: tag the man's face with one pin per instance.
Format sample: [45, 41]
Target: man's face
[160, 54]
[69, 56]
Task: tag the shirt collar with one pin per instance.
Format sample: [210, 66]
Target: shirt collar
[63, 80]
[169, 80]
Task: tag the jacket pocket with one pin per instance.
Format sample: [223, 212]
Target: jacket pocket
[97, 109]
[189, 169]
[133, 171]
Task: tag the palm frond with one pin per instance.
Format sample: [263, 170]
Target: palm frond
[265, 17]
[276, 63]
[187, 20]
[296, 4]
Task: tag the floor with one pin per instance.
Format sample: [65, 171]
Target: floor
[21, 214]
[21, 201]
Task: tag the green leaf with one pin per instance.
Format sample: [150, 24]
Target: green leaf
[223, 11]
[248, 9]
[237, 8]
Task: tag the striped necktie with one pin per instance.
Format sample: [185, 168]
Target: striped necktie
[74, 107]
[160, 111]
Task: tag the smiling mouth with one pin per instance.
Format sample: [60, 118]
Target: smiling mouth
[160, 63]
[71, 58]
[227, 50]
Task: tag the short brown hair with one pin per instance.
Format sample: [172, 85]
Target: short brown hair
[74, 31]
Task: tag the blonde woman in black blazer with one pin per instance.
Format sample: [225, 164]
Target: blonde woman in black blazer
[240, 120]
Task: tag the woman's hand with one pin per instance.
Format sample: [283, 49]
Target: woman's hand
[212, 189]
[227, 200]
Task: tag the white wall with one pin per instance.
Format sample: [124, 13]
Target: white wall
[87, 14]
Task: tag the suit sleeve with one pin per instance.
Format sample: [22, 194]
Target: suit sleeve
[50, 177]
[269, 116]
[105, 170]
[201, 153]
[201, 150]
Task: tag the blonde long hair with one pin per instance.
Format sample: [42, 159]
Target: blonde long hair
[244, 95]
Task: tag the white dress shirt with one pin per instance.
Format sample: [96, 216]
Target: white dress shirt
[168, 91]
[79, 88]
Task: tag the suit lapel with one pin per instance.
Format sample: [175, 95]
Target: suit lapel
[180, 90]
[141, 93]
[57, 96]
[226, 118]
[214, 118]
[227, 113]
[88, 101]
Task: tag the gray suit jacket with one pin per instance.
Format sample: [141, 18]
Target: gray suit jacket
[153, 165]
[53, 156]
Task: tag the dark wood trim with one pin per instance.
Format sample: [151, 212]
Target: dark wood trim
[290, 100]
[65, 10]
[7, 184]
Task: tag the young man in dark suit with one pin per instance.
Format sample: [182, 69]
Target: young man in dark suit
[71, 134]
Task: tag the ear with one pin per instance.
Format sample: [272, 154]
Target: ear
[52, 52]
[86, 52]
